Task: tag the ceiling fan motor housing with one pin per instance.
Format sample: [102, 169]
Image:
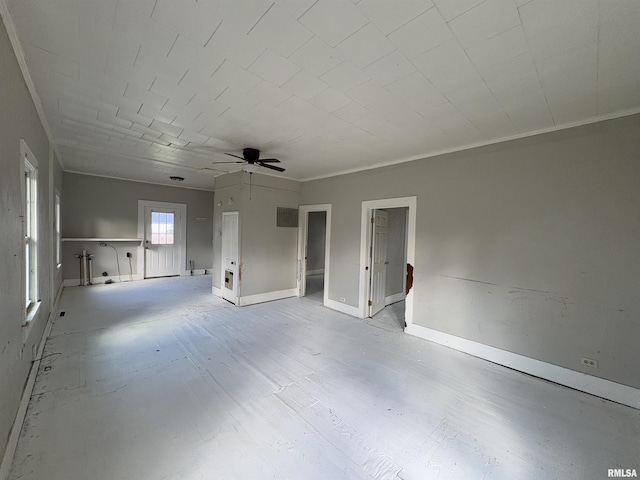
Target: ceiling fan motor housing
[251, 155]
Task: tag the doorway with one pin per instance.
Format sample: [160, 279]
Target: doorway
[162, 227]
[313, 251]
[229, 268]
[387, 250]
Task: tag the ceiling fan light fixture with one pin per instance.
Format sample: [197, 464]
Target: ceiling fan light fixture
[250, 168]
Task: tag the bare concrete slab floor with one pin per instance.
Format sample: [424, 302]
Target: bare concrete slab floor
[161, 380]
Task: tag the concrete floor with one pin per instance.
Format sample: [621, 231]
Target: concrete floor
[159, 379]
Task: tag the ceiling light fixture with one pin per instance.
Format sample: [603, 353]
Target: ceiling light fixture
[176, 178]
[250, 168]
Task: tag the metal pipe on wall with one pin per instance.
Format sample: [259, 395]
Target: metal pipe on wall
[86, 268]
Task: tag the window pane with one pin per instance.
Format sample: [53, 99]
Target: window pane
[58, 231]
[162, 228]
[27, 289]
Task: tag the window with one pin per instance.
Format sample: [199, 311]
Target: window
[30, 228]
[56, 215]
[162, 228]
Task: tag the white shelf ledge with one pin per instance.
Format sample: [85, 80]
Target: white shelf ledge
[102, 239]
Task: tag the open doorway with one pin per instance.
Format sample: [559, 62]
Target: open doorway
[387, 258]
[315, 257]
[313, 251]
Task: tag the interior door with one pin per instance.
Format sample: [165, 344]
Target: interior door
[163, 239]
[230, 256]
[379, 261]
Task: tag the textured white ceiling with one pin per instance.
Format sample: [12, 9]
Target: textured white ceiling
[144, 89]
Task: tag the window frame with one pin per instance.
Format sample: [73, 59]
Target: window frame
[57, 218]
[29, 190]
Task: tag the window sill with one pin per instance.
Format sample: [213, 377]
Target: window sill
[32, 311]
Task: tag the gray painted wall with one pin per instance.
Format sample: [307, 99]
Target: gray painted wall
[108, 208]
[267, 252]
[530, 245]
[59, 187]
[317, 230]
[396, 249]
[19, 119]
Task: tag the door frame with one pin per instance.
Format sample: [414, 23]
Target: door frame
[365, 243]
[303, 228]
[236, 280]
[182, 209]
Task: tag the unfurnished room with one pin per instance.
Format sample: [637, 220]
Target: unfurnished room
[319, 239]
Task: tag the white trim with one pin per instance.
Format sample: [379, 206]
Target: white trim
[343, 307]
[396, 297]
[180, 207]
[30, 223]
[16, 428]
[599, 387]
[303, 225]
[266, 297]
[231, 295]
[93, 239]
[367, 207]
[55, 245]
[216, 291]
[555, 128]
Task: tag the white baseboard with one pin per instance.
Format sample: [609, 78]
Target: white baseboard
[599, 387]
[342, 307]
[393, 298]
[75, 282]
[317, 271]
[266, 297]
[16, 428]
[216, 291]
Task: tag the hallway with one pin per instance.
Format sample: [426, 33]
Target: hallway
[159, 379]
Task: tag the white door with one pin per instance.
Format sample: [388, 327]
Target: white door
[163, 239]
[378, 261]
[230, 256]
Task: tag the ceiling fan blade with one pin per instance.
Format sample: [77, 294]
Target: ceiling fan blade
[272, 167]
[232, 155]
[218, 163]
[269, 160]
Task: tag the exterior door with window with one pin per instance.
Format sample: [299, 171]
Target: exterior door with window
[163, 239]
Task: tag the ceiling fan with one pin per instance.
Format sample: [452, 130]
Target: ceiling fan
[251, 160]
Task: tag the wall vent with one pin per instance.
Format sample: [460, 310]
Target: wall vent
[286, 217]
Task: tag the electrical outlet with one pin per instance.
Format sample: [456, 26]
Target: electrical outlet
[589, 362]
